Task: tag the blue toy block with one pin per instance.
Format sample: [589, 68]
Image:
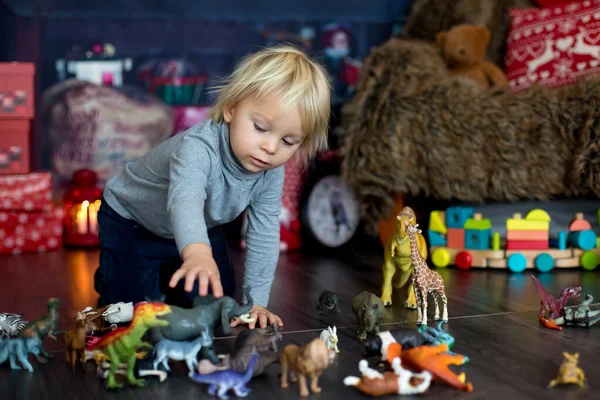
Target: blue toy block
[478, 239]
[436, 238]
[457, 216]
[585, 240]
[562, 240]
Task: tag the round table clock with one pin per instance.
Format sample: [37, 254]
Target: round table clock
[329, 208]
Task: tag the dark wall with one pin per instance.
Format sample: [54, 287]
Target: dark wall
[7, 34]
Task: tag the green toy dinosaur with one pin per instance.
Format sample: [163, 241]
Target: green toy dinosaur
[42, 327]
[121, 344]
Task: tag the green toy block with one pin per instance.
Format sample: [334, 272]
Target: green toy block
[478, 223]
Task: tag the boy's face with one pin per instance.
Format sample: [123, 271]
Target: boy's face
[262, 135]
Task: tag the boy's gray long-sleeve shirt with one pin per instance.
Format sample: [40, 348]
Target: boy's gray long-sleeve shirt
[192, 182]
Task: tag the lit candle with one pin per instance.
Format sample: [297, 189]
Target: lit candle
[82, 218]
[93, 214]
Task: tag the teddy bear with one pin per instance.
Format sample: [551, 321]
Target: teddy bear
[463, 47]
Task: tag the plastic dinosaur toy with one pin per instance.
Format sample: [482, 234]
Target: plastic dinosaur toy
[434, 359]
[328, 302]
[18, 349]
[569, 372]
[425, 280]
[401, 381]
[223, 381]
[552, 305]
[181, 350]
[11, 324]
[121, 344]
[398, 260]
[580, 315]
[262, 341]
[305, 362]
[436, 336]
[45, 326]
[75, 342]
[329, 336]
[187, 324]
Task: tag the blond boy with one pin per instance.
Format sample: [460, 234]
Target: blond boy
[163, 212]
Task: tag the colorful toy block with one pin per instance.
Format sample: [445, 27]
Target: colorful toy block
[537, 214]
[579, 224]
[527, 244]
[437, 222]
[585, 240]
[436, 238]
[478, 223]
[496, 241]
[456, 238]
[528, 235]
[562, 240]
[457, 216]
[477, 239]
[516, 223]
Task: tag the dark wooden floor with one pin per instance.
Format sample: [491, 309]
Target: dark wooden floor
[493, 317]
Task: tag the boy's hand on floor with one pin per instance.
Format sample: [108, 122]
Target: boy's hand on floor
[260, 315]
[198, 263]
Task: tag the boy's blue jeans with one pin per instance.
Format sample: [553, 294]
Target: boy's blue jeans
[136, 265]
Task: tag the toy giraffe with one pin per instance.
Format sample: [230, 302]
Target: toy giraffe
[425, 280]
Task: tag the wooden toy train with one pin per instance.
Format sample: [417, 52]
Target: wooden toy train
[461, 237]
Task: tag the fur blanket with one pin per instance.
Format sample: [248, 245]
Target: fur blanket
[414, 129]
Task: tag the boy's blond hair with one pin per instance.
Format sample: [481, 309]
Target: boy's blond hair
[285, 71]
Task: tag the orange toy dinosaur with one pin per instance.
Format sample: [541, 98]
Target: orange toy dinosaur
[121, 344]
[432, 359]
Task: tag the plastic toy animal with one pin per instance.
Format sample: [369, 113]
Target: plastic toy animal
[329, 336]
[369, 310]
[569, 372]
[398, 260]
[45, 326]
[11, 324]
[187, 324]
[223, 381]
[580, 315]
[328, 302]
[552, 305]
[75, 342]
[186, 350]
[434, 359]
[250, 341]
[121, 344]
[18, 349]
[377, 345]
[302, 363]
[401, 381]
[425, 280]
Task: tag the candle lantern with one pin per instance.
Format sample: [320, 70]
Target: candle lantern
[82, 202]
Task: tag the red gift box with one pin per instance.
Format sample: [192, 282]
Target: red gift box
[30, 192]
[27, 232]
[16, 90]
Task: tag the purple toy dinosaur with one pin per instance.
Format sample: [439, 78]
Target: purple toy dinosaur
[552, 304]
[223, 381]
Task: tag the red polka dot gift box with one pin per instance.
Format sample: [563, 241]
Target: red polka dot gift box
[28, 220]
[553, 46]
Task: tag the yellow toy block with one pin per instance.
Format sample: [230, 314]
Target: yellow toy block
[436, 222]
[537, 215]
[518, 224]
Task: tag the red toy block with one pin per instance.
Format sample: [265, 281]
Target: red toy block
[456, 238]
[527, 244]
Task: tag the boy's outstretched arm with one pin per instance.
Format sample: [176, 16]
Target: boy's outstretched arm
[189, 167]
[262, 245]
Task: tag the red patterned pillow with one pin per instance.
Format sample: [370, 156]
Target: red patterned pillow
[553, 46]
[552, 3]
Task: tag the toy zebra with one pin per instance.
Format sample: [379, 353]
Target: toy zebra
[11, 324]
